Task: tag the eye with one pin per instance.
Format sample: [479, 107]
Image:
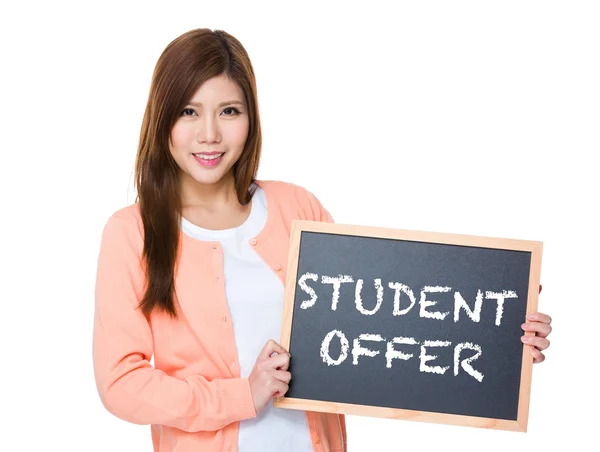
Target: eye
[234, 109]
[187, 109]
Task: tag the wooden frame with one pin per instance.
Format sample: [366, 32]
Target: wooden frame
[298, 226]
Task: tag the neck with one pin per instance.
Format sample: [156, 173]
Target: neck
[220, 193]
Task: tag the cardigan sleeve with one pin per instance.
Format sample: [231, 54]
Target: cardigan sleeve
[343, 428]
[128, 385]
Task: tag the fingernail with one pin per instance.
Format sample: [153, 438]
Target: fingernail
[530, 316]
[525, 339]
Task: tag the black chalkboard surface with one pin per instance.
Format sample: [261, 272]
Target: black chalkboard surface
[409, 324]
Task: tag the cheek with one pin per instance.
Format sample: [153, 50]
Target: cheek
[181, 135]
[238, 133]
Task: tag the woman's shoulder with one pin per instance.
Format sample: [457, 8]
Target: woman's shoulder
[283, 189]
[125, 220]
[293, 196]
[130, 213]
[286, 192]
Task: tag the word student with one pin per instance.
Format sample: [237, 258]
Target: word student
[399, 288]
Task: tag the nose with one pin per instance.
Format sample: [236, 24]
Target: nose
[208, 130]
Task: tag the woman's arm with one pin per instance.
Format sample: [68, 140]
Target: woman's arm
[128, 385]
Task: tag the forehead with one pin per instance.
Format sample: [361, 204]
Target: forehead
[216, 90]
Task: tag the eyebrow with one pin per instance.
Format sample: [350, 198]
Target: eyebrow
[229, 102]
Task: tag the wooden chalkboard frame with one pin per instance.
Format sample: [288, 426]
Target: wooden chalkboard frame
[535, 247]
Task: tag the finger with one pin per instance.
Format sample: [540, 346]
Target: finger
[281, 362]
[538, 356]
[283, 376]
[281, 388]
[542, 329]
[270, 348]
[539, 317]
[541, 343]
[285, 366]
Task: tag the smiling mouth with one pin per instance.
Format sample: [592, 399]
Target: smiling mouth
[209, 156]
[209, 160]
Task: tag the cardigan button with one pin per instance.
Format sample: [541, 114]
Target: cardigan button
[317, 440]
[253, 241]
[278, 268]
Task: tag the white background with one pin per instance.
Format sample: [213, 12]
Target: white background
[467, 117]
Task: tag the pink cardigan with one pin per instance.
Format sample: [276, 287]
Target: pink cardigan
[193, 397]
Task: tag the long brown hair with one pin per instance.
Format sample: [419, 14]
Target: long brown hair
[186, 63]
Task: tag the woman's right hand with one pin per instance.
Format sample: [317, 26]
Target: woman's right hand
[270, 376]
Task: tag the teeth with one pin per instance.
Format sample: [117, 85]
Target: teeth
[209, 157]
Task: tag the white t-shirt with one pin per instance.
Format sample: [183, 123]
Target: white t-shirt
[255, 297]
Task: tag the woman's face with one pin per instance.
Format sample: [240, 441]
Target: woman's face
[215, 121]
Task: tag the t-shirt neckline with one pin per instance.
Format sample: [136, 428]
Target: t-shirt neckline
[262, 237]
[222, 233]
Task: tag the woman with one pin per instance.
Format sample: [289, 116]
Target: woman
[192, 274]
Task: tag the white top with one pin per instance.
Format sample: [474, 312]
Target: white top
[255, 297]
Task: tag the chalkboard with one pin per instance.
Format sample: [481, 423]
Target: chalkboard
[409, 324]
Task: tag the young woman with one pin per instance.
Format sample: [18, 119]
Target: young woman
[193, 273]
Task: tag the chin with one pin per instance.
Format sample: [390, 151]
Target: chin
[207, 179]
[209, 176]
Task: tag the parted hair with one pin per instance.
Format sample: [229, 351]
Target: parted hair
[187, 62]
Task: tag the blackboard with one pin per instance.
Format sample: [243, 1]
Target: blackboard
[409, 324]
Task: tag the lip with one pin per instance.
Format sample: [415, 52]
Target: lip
[209, 163]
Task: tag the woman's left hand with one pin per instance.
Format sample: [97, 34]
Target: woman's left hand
[539, 324]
